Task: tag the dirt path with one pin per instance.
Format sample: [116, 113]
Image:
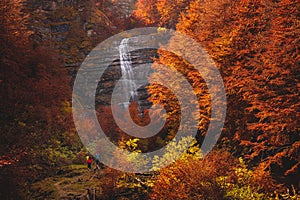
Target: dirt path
[59, 191]
[74, 186]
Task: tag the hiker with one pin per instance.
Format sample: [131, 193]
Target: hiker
[97, 161]
[89, 162]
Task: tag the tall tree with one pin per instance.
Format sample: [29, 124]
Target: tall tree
[266, 75]
[146, 11]
[34, 107]
[254, 45]
[160, 12]
[170, 11]
[209, 27]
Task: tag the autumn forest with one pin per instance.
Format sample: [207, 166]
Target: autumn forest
[254, 46]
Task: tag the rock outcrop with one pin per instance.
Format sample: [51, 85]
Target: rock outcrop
[113, 74]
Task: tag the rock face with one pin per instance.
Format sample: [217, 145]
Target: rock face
[75, 27]
[140, 63]
[125, 6]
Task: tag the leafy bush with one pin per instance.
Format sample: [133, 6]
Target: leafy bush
[194, 178]
[242, 185]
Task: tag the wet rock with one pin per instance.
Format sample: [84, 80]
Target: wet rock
[113, 74]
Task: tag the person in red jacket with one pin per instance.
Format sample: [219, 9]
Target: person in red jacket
[89, 162]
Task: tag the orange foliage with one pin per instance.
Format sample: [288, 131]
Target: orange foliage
[146, 11]
[34, 104]
[194, 179]
[254, 44]
[163, 13]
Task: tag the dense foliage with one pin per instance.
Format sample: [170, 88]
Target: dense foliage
[36, 130]
[255, 46]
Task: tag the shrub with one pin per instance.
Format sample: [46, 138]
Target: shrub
[194, 179]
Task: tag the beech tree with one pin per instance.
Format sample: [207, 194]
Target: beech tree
[146, 11]
[35, 109]
[254, 45]
[160, 12]
[208, 27]
[265, 75]
[170, 11]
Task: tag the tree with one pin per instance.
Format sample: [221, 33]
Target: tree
[160, 12]
[170, 11]
[35, 110]
[147, 12]
[265, 76]
[14, 32]
[254, 45]
[209, 27]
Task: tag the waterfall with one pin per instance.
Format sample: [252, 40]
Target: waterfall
[128, 79]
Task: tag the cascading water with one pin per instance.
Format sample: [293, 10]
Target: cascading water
[128, 79]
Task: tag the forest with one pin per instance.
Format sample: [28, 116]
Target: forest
[254, 45]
